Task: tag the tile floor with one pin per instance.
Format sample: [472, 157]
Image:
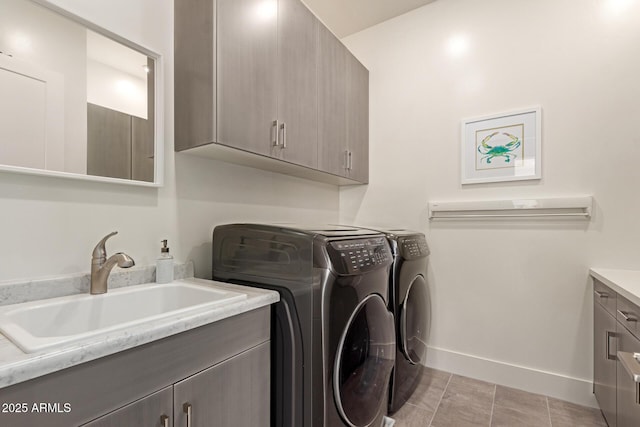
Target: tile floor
[447, 400]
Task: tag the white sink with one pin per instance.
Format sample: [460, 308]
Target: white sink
[56, 322]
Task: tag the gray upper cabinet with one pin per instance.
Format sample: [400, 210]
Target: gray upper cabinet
[268, 87]
[297, 84]
[194, 73]
[332, 104]
[246, 81]
[343, 110]
[357, 120]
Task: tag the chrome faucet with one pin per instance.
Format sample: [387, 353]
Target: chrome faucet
[101, 266]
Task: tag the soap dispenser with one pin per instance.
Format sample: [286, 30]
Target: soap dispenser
[164, 265]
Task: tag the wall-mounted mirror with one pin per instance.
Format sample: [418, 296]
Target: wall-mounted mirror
[76, 100]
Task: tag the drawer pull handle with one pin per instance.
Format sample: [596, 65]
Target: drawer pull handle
[601, 294]
[608, 345]
[164, 420]
[626, 316]
[188, 409]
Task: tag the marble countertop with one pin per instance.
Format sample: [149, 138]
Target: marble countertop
[624, 282]
[17, 366]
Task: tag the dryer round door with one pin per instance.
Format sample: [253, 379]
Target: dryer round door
[414, 321]
[364, 360]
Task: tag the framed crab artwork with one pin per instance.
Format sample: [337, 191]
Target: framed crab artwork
[502, 147]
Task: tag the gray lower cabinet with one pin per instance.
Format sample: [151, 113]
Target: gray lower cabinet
[616, 337]
[222, 395]
[253, 87]
[155, 410]
[217, 375]
[232, 393]
[628, 394]
[604, 361]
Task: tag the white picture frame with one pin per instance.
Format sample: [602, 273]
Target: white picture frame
[502, 147]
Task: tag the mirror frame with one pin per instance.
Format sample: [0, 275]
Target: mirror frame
[158, 144]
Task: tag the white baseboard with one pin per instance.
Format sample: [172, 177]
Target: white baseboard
[575, 390]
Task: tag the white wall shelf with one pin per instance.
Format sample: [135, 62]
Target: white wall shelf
[565, 207]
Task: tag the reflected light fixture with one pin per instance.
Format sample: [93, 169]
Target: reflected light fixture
[20, 42]
[125, 87]
[616, 8]
[266, 10]
[458, 45]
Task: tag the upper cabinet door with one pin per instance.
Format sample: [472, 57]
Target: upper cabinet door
[332, 106]
[246, 73]
[194, 73]
[358, 119]
[297, 84]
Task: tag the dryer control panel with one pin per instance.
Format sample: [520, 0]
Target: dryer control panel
[360, 255]
[413, 247]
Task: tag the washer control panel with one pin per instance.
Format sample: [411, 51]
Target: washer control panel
[360, 255]
[413, 247]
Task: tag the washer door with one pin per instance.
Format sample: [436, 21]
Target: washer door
[414, 321]
[364, 360]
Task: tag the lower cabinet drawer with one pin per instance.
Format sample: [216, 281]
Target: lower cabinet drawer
[628, 314]
[628, 391]
[605, 296]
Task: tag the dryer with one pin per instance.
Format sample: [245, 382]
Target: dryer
[409, 301]
[333, 336]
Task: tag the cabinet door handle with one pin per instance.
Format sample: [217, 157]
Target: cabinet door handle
[601, 294]
[350, 161]
[274, 129]
[608, 345]
[346, 159]
[283, 126]
[164, 421]
[626, 316]
[187, 408]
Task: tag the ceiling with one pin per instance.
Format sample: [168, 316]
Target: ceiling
[345, 17]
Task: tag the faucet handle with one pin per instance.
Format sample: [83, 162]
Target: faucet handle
[100, 252]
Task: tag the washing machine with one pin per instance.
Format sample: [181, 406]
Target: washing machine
[333, 335]
[409, 301]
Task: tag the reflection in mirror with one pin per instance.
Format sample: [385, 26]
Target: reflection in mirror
[74, 100]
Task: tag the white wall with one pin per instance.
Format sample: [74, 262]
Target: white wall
[511, 299]
[49, 226]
